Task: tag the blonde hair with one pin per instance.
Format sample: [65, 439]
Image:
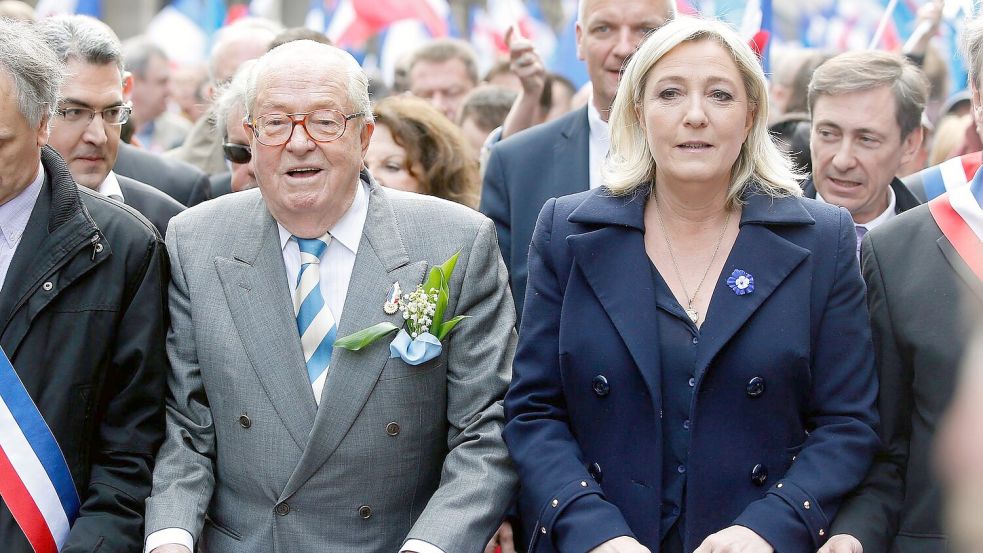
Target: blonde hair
[630, 164]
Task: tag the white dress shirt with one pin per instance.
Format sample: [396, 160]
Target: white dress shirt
[336, 267]
[110, 188]
[599, 142]
[14, 215]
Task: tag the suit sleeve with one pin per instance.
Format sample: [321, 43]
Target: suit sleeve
[131, 410]
[477, 481]
[495, 203]
[795, 514]
[571, 509]
[872, 513]
[184, 475]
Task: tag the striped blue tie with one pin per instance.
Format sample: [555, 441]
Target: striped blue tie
[314, 320]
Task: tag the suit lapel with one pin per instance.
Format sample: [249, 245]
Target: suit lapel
[255, 285]
[571, 156]
[764, 254]
[381, 260]
[960, 267]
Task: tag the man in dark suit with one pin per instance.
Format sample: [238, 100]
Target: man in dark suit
[82, 322]
[181, 181]
[921, 269]
[86, 128]
[866, 112]
[565, 155]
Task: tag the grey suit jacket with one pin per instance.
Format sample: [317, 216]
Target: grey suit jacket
[394, 452]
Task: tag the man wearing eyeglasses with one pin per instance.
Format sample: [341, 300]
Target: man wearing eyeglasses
[278, 441]
[92, 109]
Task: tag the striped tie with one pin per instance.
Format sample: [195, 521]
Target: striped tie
[314, 320]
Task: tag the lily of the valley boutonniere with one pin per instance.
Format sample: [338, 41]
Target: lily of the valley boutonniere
[423, 311]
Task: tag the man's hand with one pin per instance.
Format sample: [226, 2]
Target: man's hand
[526, 63]
[735, 539]
[171, 548]
[842, 543]
[621, 544]
[503, 539]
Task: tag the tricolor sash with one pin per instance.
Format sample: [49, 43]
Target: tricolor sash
[960, 218]
[950, 174]
[35, 482]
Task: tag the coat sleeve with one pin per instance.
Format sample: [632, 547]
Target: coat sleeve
[796, 513]
[573, 513]
[184, 476]
[478, 481]
[131, 411]
[495, 203]
[872, 513]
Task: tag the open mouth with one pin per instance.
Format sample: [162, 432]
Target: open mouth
[303, 172]
[695, 146]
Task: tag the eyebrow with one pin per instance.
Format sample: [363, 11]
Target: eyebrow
[82, 104]
[862, 130]
[709, 81]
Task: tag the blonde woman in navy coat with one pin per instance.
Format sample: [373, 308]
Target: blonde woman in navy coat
[694, 368]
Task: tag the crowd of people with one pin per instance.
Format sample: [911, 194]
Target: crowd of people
[273, 304]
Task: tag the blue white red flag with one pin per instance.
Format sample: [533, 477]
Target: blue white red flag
[949, 175]
[959, 214]
[35, 482]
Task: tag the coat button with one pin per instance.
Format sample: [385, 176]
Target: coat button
[365, 512]
[392, 428]
[47, 286]
[759, 475]
[555, 503]
[97, 248]
[595, 472]
[756, 386]
[601, 386]
[245, 422]
[282, 509]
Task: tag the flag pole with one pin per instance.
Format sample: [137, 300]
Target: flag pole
[879, 33]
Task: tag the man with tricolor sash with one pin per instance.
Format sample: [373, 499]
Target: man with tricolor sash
[924, 273]
[82, 328]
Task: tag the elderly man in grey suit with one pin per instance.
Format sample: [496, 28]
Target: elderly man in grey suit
[277, 442]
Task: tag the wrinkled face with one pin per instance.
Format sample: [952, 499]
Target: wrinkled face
[303, 179]
[443, 84]
[89, 147]
[388, 163]
[20, 143]
[857, 149]
[610, 32]
[695, 114]
[243, 176]
[150, 92]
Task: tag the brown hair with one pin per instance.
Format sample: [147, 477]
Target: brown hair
[434, 144]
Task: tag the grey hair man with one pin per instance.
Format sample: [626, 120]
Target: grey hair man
[157, 129]
[230, 109]
[92, 109]
[443, 72]
[278, 440]
[82, 323]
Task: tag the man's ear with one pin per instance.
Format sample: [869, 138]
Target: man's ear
[911, 144]
[127, 86]
[44, 133]
[365, 135]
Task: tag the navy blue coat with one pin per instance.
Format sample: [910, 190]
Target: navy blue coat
[589, 452]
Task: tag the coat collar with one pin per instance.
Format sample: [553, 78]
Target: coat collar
[600, 207]
[904, 198]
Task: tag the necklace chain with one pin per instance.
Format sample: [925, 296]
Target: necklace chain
[690, 310]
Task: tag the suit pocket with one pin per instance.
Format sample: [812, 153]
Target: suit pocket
[397, 368]
[210, 523]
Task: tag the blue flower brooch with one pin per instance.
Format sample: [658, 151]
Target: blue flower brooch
[741, 282]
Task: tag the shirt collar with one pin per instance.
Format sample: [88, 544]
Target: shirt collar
[892, 204]
[599, 129]
[110, 186]
[348, 230]
[15, 213]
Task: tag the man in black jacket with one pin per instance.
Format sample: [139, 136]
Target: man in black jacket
[82, 313]
[866, 110]
[86, 126]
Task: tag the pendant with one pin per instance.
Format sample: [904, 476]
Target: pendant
[694, 315]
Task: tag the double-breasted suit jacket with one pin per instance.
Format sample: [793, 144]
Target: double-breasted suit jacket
[251, 463]
[782, 416]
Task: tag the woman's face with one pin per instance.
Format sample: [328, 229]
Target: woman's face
[695, 114]
[387, 162]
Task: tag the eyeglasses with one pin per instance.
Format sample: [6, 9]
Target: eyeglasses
[115, 115]
[323, 125]
[236, 153]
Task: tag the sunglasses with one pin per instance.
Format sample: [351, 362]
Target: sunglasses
[236, 153]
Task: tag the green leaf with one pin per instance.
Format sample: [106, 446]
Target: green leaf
[364, 337]
[448, 326]
[440, 272]
[439, 278]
